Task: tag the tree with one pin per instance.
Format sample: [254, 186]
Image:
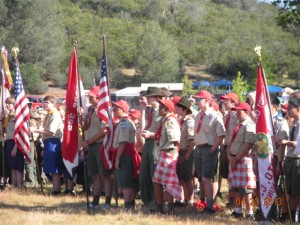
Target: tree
[187, 86]
[240, 87]
[157, 58]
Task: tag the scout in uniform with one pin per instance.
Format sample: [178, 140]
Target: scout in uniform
[229, 100]
[168, 137]
[51, 136]
[292, 159]
[14, 156]
[127, 160]
[241, 177]
[209, 133]
[149, 125]
[95, 130]
[185, 161]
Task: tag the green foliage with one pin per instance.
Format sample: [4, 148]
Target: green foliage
[187, 86]
[240, 87]
[157, 57]
[31, 77]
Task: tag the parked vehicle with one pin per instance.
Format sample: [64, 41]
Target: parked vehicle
[35, 102]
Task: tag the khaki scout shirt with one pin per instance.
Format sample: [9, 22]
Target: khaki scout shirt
[281, 128]
[96, 124]
[212, 127]
[246, 133]
[187, 132]
[125, 132]
[53, 124]
[155, 122]
[170, 134]
[291, 149]
[10, 129]
[231, 125]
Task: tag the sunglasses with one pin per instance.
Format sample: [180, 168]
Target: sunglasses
[198, 99]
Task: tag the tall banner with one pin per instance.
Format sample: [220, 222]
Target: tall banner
[264, 131]
[6, 79]
[71, 136]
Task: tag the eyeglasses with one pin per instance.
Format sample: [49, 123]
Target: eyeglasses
[198, 99]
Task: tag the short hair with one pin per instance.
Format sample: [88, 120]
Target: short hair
[274, 100]
[294, 102]
[49, 98]
[10, 100]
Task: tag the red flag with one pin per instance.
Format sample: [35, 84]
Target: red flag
[70, 138]
[264, 131]
[22, 116]
[104, 113]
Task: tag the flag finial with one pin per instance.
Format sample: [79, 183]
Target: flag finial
[15, 51]
[257, 50]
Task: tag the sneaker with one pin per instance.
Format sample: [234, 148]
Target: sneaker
[105, 207]
[94, 206]
[237, 215]
[250, 217]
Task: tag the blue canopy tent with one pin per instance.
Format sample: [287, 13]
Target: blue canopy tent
[201, 83]
[223, 82]
[274, 89]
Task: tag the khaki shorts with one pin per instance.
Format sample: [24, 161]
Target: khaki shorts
[94, 162]
[206, 163]
[292, 176]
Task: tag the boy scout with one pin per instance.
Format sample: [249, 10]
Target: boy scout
[209, 134]
[168, 137]
[241, 177]
[185, 160]
[127, 159]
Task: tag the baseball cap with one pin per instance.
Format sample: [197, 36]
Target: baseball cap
[94, 91]
[243, 106]
[122, 104]
[232, 96]
[203, 94]
[168, 103]
[135, 113]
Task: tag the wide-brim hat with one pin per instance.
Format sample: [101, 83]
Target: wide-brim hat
[184, 101]
[153, 91]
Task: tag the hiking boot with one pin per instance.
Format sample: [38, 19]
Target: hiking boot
[250, 217]
[208, 211]
[105, 207]
[94, 206]
[237, 215]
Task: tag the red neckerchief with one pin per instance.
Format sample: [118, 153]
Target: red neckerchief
[200, 122]
[227, 120]
[236, 129]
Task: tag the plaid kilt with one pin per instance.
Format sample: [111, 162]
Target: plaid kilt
[165, 173]
[242, 175]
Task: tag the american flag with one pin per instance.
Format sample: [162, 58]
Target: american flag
[104, 112]
[22, 116]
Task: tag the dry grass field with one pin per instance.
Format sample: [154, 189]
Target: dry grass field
[28, 207]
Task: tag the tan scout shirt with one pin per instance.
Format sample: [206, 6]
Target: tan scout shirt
[187, 132]
[231, 125]
[170, 134]
[96, 124]
[290, 149]
[155, 123]
[246, 133]
[211, 128]
[10, 129]
[281, 128]
[53, 124]
[125, 132]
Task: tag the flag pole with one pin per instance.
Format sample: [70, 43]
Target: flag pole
[258, 52]
[109, 114]
[2, 133]
[81, 125]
